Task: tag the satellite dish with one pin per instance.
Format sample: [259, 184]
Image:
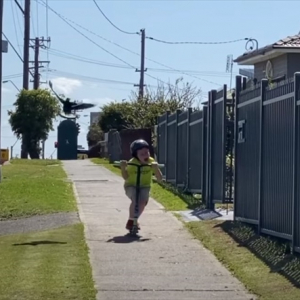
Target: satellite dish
[269, 70]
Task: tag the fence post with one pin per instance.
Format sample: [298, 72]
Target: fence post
[208, 154]
[211, 100]
[157, 139]
[166, 144]
[264, 84]
[238, 88]
[204, 154]
[188, 148]
[244, 86]
[176, 145]
[224, 158]
[295, 159]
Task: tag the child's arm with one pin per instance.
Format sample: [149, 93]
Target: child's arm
[124, 172]
[157, 171]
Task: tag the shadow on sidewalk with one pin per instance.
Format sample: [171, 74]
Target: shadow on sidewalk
[275, 253]
[126, 239]
[37, 243]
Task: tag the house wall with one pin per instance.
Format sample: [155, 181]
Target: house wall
[293, 63]
[280, 67]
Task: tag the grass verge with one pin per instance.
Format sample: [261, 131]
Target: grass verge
[46, 265]
[31, 187]
[165, 194]
[262, 264]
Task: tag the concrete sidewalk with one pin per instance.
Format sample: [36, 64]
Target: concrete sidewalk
[166, 264]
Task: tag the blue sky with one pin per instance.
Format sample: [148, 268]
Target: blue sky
[204, 21]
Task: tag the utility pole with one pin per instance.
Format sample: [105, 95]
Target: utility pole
[142, 71]
[26, 44]
[38, 43]
[24, 153]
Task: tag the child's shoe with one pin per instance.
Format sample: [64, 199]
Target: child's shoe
[129, 225]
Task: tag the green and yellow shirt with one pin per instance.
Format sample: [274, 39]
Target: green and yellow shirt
[146, 173]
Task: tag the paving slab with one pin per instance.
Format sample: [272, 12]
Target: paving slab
[165, 263]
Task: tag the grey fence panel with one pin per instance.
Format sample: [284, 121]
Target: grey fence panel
[247, 154]
[171, 158]
[182, 151]
[296, 222]
[162, 141]
[217, 131]
[196, 146]
[277, 161]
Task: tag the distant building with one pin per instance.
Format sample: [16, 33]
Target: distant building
[94, 117]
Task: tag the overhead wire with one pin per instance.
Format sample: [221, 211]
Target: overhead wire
[90, 78]
[196, 43]
[14, 49]
[32, 21]
[104, 15]
[15, 26]
[71, 56]
[85, 36]
[37, 19]
[124, 48]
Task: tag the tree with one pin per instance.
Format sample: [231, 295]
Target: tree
[143, 113]
[94, 135]
[166, 97]
[33, 118]
[115, 116]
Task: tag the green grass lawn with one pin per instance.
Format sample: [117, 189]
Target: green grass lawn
[46, 265]
[31, 187]
[260, 263]
[167, 196]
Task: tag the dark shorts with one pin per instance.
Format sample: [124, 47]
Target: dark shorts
[131, 193]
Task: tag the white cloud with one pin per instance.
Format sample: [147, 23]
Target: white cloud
[65, 85]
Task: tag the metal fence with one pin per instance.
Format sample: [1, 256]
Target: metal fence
[182, 148]
[261, 176]
[196, 149]
[267, 158]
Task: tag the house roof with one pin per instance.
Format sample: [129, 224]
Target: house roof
[288, 43]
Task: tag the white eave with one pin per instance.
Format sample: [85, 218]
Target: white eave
[268, 55]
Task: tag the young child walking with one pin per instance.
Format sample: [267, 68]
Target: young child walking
[140, 156]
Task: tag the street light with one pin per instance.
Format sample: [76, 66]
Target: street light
[6, 81]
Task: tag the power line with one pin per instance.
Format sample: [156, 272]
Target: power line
[103, 14]
[12, 47]
[85, 36]
[71, 56]
[67, 20]
[89, 78]
[196, 43]
[15, 26]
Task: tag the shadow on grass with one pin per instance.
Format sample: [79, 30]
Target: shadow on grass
[273, 252]
[37, 243]
[126, 239]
